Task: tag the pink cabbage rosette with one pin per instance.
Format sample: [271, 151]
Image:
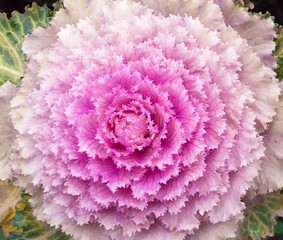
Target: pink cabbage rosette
[143, 120]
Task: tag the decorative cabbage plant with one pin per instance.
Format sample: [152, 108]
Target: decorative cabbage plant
[143, 120]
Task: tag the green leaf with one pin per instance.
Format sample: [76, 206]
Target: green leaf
[260, 216]
[279, 53]
[2, 237]
[31, 228]
[12, 32]
[278, 229]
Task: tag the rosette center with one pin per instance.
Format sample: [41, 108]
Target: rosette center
[131, 129]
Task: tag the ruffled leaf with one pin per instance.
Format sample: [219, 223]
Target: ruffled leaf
[12, 32]
[256, 28]
[31, 228]
[260, 216]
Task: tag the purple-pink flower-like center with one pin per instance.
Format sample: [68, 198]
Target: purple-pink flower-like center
[130, 129]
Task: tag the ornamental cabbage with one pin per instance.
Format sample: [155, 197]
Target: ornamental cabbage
[145, 119]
